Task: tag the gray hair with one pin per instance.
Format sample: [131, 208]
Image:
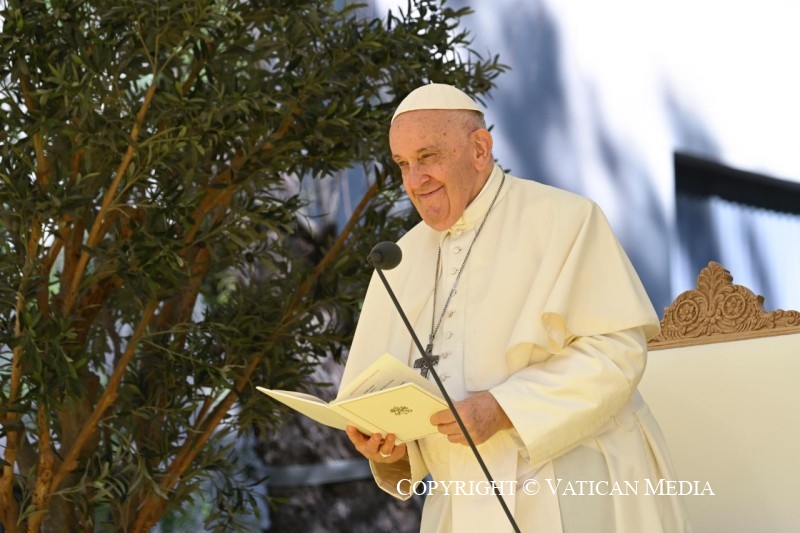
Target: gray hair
[472, 120]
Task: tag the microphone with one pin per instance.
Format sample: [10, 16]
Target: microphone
[385, 256]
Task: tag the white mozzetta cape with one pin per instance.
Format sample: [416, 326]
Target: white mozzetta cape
[554, 324]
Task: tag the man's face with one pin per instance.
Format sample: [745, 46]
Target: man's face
[437, 158]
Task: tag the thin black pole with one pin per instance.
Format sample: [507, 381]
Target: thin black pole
[449, 402]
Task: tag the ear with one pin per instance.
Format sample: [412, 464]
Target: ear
[482, 148]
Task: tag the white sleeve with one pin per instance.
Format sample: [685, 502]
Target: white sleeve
[558, 403]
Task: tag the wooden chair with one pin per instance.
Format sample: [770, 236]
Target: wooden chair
[723, 380]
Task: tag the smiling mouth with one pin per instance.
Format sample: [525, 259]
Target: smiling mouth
[427, 194]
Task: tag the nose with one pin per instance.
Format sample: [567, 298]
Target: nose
[415, 176]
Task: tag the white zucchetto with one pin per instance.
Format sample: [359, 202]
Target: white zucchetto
[436, 96]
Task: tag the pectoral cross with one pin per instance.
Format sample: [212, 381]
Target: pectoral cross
[425, 363]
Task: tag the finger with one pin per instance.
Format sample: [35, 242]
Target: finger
[372, 444]
[364, 445]
[457, 439]
[390, 451]
[397, 453]
[375, 448]
[449, 429]
[387, 447]
[356, 437]
[442, 417]
[455, 435]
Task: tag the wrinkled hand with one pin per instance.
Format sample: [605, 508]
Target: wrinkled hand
[372, 447]
[482, 417]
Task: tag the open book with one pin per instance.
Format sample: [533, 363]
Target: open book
[387, 397]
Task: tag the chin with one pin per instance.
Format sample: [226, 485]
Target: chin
[438, 226]
[436, 222]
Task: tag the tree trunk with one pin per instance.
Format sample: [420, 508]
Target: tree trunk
[351, 506]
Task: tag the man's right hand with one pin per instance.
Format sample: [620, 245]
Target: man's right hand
[375, 448]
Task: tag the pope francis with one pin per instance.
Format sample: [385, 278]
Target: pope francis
[540, 326]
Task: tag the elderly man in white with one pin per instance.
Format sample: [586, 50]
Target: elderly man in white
[540, 324]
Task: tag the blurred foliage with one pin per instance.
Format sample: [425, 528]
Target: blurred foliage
[154, 256]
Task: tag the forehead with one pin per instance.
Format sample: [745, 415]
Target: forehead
[414, 130]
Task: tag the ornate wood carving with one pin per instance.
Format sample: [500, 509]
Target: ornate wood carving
[718, 311]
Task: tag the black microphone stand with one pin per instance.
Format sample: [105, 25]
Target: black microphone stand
[429, 366]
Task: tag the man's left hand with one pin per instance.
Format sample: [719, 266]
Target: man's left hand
[482, 417]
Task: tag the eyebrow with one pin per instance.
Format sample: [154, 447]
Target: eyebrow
[425, 149]
[430, 149]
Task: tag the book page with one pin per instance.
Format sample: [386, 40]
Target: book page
[316, 409]
[383, 374]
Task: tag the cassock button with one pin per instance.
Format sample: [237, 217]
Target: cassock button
[457, 250]
[444, 355]
[444, 377]
[454, 271]
[450, 314]
[448, 335]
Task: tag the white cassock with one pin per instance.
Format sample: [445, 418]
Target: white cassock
[551, 318]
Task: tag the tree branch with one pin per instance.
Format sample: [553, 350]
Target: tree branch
[44, 470]
[42, 162]
[197, 68]
[110, 393]
[339, 243]
[9, 507]
[153, 506]
[95, 233]
[9, 511]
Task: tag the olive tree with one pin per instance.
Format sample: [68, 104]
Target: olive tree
[153, 244]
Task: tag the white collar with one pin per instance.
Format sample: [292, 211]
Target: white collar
[477, 208]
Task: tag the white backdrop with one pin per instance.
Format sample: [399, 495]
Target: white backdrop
[600, 95]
